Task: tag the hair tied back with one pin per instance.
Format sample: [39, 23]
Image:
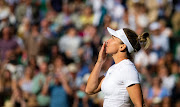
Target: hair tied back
[144, 40]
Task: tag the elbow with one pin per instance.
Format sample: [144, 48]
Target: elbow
[87, 91]
[138, 104]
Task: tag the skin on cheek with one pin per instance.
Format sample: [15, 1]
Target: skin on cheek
[112, 46]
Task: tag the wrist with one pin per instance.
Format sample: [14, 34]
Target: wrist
[100, 62]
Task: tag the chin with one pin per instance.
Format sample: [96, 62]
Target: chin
[107, 52]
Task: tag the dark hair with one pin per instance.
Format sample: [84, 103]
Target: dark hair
[137, 41]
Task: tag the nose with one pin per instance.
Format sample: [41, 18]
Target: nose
[107, 41]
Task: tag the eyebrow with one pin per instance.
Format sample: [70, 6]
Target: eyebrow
[114, 36]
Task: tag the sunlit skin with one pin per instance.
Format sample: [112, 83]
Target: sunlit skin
[112, 45]
[115, 47]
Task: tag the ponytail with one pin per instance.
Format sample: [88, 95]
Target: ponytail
[137, 41]
[144, 40]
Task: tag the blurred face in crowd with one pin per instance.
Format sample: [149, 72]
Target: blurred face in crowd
[28, 2]
[34, 28]
[43, 67]
[54, 50]
[107, 18]
[1, 2]
[156, 32]
[28, 72]
[174, 68]
[32, 61]
[93, 31]
[72, 32]
[126, 17]
[88, 11]
[163, 72]
[44, 23]
[65, 8]
[156, 81]
[7, 75]
[58, 62]
[6, 33]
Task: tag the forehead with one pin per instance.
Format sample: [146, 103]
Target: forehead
[116, 38]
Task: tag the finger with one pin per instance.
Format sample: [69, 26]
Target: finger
[103, 46]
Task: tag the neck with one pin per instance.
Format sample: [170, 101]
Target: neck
[118, 57]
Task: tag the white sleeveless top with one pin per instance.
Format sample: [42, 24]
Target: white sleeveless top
[118, 77]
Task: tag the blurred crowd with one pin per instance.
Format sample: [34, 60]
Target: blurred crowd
[49, 47]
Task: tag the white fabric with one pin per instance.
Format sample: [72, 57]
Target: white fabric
[118, 77]
[71, 44]
[160, 42]
[27, 86]
[144, 59]
[169, 83]
[121, 35]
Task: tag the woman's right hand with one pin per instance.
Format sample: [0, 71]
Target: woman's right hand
[102, 54]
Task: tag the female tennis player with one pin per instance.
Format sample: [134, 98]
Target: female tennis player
[120, 84]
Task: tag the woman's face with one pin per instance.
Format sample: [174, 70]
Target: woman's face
[28, 71]
[156, 81]
[112, 45]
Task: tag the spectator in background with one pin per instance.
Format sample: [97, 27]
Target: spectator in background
[4, 13]
[59, 65]
[44, 6]
[71, 47]
[24, 28]
[160, 43]
[37, 84]
[153, 8]
[175, 70]
[5, 86]
[35, 39]
[166, 31]
[83, 70]
[54, 52]
[58, 91]
[86, 51]
[64, 19]
[73, 69]
[140, 12]
[25, 83]
[57, 5]
[118, 11]
[81, 98]
[168, 80]
[145, 58]
[175, 22]
[17, 99]
[7, 42]
[156, 93]
[33, 64]
[176, 95]
[3, 7]
[128, 20]
[27, 9]
[87, 16]
[45, 29]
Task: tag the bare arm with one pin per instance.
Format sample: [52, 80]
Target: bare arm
[67, 88]
[94, 81]
[135, 94]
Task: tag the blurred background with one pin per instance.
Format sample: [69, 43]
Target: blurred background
[49, 47]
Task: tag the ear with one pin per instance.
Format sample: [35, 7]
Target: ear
[122, 48]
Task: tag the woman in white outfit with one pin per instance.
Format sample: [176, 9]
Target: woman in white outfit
[120, 84]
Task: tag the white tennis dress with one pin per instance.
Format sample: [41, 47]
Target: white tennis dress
[118, 77]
